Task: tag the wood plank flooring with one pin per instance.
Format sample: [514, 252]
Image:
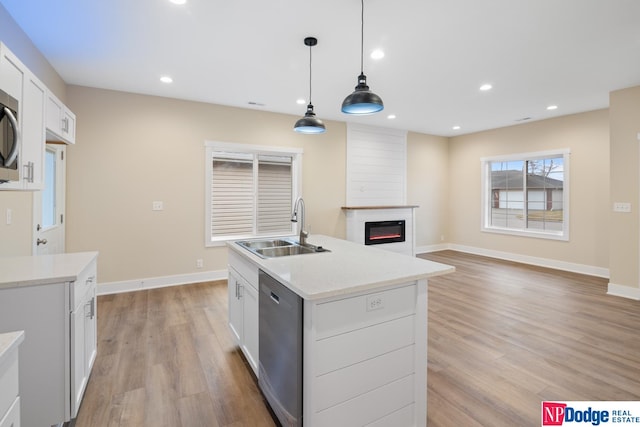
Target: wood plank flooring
[502, 338]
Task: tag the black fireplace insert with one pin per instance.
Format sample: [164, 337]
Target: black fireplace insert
[379, 232]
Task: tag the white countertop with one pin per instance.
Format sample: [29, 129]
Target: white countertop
[42, 269]
[348, 268]
[9, 342]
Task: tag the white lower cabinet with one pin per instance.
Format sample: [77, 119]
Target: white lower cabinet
[9, 384]
[243, 308]
[243, 316]
[59, 323]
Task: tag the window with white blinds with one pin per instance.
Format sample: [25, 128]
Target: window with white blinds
[250, 191]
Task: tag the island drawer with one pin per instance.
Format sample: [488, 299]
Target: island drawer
[85, 281]
[246, 269]
[348, 314]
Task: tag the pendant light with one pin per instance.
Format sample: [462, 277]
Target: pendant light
[310, 124]
[362, 101]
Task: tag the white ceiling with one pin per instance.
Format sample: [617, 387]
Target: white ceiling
[535, 53]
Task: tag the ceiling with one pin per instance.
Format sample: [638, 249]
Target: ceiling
[250, 54]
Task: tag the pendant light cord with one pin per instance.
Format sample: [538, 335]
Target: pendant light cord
[362, 37]
[310, 70]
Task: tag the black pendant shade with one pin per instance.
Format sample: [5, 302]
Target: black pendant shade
[310, 124]
[362, 101]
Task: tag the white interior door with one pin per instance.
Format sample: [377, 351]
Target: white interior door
[49, 204]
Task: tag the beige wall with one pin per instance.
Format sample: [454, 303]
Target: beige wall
[625, 187]
[428, 187]
[135, 149]
[587, 136]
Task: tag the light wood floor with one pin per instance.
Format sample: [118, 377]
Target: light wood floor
[502, 338]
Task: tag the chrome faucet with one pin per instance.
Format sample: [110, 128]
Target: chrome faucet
[299, 204]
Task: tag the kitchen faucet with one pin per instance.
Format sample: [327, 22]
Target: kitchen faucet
[299, 204]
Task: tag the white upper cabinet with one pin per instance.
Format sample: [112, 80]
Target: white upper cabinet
[20, 83]
[61, 122]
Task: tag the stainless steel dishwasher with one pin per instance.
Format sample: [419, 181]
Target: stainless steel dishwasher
[280, 349]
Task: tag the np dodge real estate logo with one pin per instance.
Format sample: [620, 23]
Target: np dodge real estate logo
[594, 413]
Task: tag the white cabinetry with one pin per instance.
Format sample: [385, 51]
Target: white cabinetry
[9, 389]
[54, 303]
[20, 83]
[61, 122]
[83, 334]
[243, 307]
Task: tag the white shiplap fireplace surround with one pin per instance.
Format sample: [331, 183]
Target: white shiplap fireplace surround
[376, 184]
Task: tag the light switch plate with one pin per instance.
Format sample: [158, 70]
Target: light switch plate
[622, 207]
[157, 206]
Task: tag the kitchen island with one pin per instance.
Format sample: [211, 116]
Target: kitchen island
[364, 326]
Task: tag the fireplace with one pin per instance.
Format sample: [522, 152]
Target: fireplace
[380, 232]
[391, 228]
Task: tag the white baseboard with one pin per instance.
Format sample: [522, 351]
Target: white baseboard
[160, 282]
[524, 259]
[623, 291]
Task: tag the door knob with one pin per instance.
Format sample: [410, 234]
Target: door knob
[41, 241]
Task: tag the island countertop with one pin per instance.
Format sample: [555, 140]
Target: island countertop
[42, 269]
[348, 268]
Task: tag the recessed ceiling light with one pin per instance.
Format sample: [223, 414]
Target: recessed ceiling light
[391, 116]
[456, 127]
[166, 79]
[301, 101]
[377, 54]
[485, 87]
[178, 1]
[552, 107]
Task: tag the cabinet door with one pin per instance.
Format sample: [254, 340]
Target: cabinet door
[11, 73]
[90, 332]
[33, 147]
[68, 126]
[54, 115]
[235, 305]
[78, 375]
[250, 325]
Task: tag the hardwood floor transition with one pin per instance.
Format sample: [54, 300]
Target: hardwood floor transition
[502, 338]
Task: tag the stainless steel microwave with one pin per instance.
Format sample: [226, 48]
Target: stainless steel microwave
[9, 138]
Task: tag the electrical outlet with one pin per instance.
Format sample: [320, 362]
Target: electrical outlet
[374, 302]
[199, 263]
[157, 206]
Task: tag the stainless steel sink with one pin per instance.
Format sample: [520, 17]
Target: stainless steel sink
[273, 248]
[284, 251]
[260, 244]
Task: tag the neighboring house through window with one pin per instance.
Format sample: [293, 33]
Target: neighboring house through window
[527, 194]
[250, 191]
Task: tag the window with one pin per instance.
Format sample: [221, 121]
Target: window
[527, 194]
[250, 191]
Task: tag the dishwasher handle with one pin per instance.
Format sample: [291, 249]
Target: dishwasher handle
[275, 297]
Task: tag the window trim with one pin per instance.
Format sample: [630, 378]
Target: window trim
[212, 147]
[485, 181]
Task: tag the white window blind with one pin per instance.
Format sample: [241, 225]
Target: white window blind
[250, 191]
[274, 195]
[232, 195]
